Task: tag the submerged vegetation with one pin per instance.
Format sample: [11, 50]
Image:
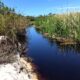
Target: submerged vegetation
[60, 25]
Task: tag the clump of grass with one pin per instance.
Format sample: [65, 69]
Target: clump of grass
[60, 25]
[10, 22]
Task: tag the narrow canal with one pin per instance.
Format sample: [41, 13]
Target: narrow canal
[53, 61]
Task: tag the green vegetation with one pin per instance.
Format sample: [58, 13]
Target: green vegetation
[11, 22]
[60, 25]
[54, 25]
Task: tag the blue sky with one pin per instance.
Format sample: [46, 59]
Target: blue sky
[41, 7]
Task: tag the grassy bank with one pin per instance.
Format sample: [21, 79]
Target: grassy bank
[11, 22]
[65, 26]
[12, 26]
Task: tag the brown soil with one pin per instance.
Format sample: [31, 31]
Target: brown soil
[7, 52]
[64, 41]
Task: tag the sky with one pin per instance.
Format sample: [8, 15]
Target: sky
[43, 7]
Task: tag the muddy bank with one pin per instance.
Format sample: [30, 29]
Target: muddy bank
[62, 40]
[14, 66]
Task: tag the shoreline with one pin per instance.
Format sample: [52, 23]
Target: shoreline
[20, 67]
[60, 40]
[22, 70]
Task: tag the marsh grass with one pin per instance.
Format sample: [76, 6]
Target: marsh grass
[60, 25]
[10, 21]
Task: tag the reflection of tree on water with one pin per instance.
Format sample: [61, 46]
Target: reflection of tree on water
[69, 48]
[51, 41]
[74, 48]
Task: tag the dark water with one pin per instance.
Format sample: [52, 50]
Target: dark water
[54, 62]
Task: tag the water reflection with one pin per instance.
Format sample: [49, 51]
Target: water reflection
[67, 48]
[54, 61]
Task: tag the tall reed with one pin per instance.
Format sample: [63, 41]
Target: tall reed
[60, 25]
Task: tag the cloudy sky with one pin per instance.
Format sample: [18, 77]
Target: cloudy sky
[41, 7]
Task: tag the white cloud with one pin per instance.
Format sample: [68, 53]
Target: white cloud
[67, 8]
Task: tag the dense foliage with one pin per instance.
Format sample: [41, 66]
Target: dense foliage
[60, 25]
[10, 21]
